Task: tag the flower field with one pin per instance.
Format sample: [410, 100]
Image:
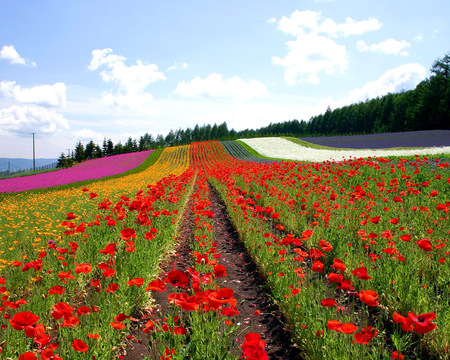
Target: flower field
[87, 170]
[281, 148]
[354, 251]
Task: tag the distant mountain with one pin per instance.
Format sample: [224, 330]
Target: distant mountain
[19, 164]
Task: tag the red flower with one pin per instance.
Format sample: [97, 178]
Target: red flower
[57, 290]
[186, 302]
[335, 278]
[422, 322]
[80, 345]
[23, 319]
[127, 234]
[405, 321]
[177, 278]
[369, 297]
[112, 288]
[221, 296]
[317, 266]
[397, 355]
[425, 244]
[253, 348]
[339, 265]
[328, 302]
[365, 335]
[361, 273]
[220, 271]
[156, 285]
[136, 281]
[93, 336]
[28, 356]
[83, 268]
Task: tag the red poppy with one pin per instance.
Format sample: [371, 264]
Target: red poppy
[23, 319]
[422, 322]
[425, 244]
[156, 285]
[149, 326]
[70, 216]
[328, 302]
[127, 234]
[83, 310]
[110, 249]
[253, 347]
[57, 290]
[405, 321]
[221, 296]
[92, 195]
[61, 309]
[186, 302]
[365, 335]
[369, 297]
[136, 281]
[397, 355]
[93, 336]
[28, 356]
[80, 345]
[339, 265]
[83, 268]
[48, 354]
[117, 325]
[335, 278]
[317, 266]
[405, 237]
[220, 271]
[307, 234]
[361, 273]
[177, 278]
[112, 288]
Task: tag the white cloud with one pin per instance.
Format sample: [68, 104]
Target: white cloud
[214, 86]
[272, 20]
[25, 119]
[389, 46]
[130, 82]
[418, 37]
[88, 135]
[309, 55]
[8, 52]
[404, 77]
[302, 22]
[314, 50]
[46, 95]
[177, 65]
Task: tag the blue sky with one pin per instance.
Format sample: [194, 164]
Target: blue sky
[78, 70]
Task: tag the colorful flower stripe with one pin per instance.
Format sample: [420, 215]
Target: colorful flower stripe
[87, 170]
[80, 283]
[284, 149]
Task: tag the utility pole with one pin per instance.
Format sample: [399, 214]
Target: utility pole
[34, 153]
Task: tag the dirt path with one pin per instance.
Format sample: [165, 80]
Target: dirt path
[249, 288]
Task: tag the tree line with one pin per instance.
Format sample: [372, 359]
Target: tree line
[427, 107]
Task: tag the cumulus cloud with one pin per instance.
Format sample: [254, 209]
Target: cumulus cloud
[214, 86]
[21, 120]
[177, 65]
[314, 49]
[8, 52]
[88, 135]
[404, 77]
[130, 82]
[389, 46]
[45, 95]
[302, 22]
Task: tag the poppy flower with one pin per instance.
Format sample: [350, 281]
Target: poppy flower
[397, 355]
[127, 234]
[422, 322]
[253, 347]
[405, 321]
[328, 302]
[80, 345]
[156, 285]
[57, 290]
[177, 278]
[317, 266]
[136, 281]
[361, 273]
[339, 265]
[186, 302]
[83, 268]
[220, 271]
[93, 336]
[23, 319]
[425, 244]
[112, 288]
[365, 335]
[369, 297]
[221, 296]
[28, 356]
[335, 278]
[83, 310]
[48, 354]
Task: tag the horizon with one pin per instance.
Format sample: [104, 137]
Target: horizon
[89, 71]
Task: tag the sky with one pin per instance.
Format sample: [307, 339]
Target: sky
[86, 70]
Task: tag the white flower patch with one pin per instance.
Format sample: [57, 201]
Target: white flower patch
[284, 149]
